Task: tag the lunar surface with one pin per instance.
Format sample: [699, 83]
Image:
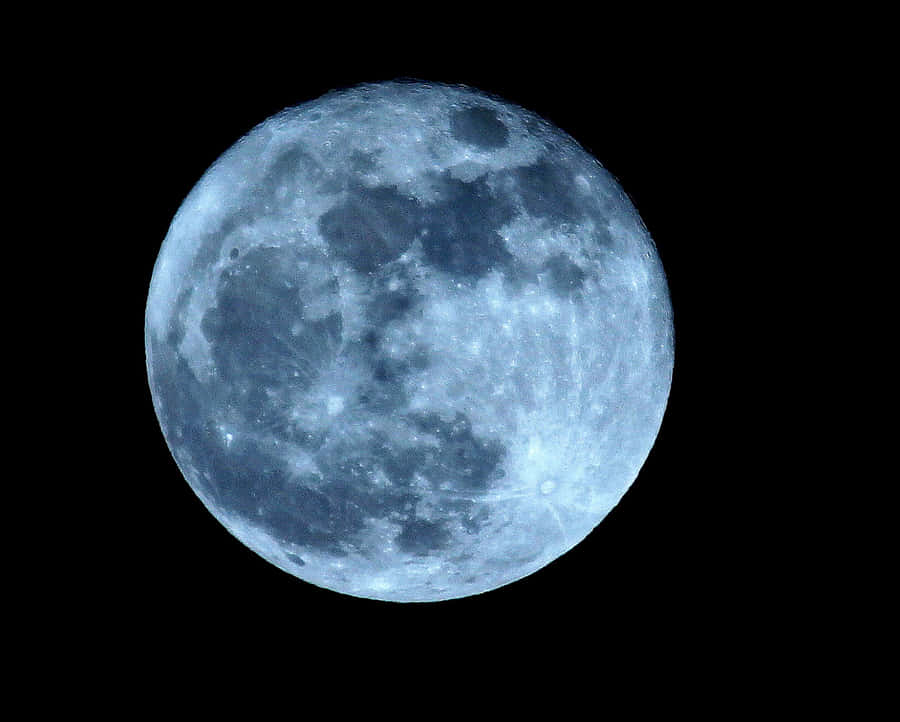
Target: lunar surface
[408, 341]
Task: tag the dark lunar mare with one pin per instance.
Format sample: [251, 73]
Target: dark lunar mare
[547, 188]
[460, 231]
[564, 276]
[258, 329]
[479, 126]
[370, 227]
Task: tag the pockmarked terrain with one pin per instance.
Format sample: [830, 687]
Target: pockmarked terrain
[408, 341]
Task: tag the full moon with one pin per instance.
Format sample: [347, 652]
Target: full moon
[408, 341]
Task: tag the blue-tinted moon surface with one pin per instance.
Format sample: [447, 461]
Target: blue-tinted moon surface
[408, 341]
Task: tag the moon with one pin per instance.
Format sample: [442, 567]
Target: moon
[409, 341]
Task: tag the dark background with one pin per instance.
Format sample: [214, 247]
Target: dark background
[668, 564]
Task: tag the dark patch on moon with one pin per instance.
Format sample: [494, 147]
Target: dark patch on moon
[322, 516]
[258, 335]
[295, 559]
[371, 339]
[422, 536]
[461, 460]
[362, 162]
[381, 397]
[479, 126]
[562, 274]
[475, 518]
[401, 465]
[388, 370]
[387, 305]
[548, 191]
[294, 170]
[603, 237]
[461, 229]
[371, 227]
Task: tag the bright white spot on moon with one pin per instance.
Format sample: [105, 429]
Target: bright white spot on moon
[408, 341]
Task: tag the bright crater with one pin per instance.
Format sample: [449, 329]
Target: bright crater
[408, 341]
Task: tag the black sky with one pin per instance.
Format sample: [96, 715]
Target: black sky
[662, 563]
